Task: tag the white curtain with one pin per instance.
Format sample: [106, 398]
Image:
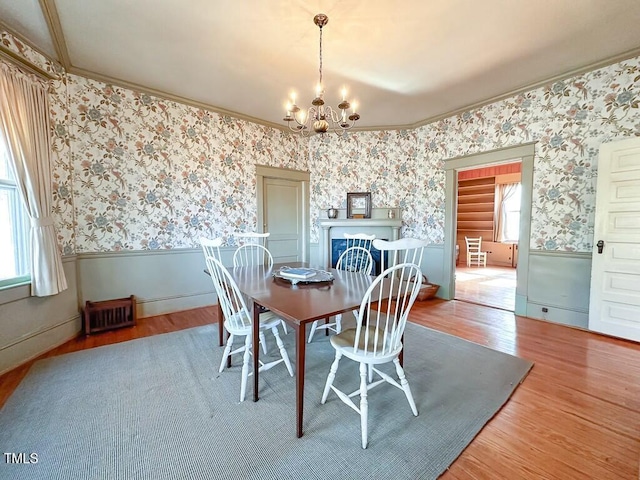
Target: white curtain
[504, 192]
[24, 124]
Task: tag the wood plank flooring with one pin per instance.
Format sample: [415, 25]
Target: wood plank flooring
[576, 415]
[491, 286]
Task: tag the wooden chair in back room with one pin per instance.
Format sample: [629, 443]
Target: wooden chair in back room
[475, 255]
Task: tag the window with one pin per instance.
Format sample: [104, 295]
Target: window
[511, 215]
[14, 226]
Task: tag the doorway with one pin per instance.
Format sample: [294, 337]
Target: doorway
[488, 215]
[452, 167]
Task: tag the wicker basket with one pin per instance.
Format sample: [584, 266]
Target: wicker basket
[427, 290]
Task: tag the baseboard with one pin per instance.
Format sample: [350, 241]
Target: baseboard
[557, 314]
[160, 306]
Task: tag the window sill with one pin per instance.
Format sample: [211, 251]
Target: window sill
[15, 292]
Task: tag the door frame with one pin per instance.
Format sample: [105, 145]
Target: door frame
[608, 298]
[451, 166]
[265, 171]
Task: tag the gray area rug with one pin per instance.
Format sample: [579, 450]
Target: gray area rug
[157, 408]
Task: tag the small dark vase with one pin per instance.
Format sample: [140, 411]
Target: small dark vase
[332, 213]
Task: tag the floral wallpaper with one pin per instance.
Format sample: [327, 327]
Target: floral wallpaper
[568, 119]
[132, 171]
[62, 174]
[389, 165]
[155, 174]
[24, 50]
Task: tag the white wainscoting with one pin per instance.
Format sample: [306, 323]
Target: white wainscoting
[560, 283]
[31, 326]
[173, 280]
[163, 281]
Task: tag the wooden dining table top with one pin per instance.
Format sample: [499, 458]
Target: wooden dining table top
[302, 303]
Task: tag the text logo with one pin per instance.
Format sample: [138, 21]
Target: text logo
[25, 458]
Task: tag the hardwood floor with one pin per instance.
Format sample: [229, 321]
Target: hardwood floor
[491, 286]
[576, 415]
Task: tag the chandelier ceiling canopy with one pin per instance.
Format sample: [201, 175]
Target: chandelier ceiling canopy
[319, 117]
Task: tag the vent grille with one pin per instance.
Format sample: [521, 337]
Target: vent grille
[109, 314]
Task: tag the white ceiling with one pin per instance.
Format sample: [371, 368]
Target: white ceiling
[405, 62]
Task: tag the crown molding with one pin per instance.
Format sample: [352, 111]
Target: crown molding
[16, 59]
[12, 56]
[375, 128]
[55, 28]
[26, 41]
[572, 73]
[50, 13]
[169, 96]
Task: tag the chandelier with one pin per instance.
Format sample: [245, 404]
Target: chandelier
[320, 117]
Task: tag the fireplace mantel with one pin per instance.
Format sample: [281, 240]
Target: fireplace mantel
[327, 223]
[355, 225]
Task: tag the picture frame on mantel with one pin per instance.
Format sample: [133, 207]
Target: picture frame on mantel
[359, 205]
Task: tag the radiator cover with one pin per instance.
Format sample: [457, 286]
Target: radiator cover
[109, 314]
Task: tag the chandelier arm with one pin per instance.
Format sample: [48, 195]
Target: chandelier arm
[341, 120]
[311, 114]
[302, 130]
[335, 117]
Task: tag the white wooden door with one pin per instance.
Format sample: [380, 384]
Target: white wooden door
[614, 306]
[283, 218]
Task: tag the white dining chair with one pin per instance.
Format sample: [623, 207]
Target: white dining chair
[238, 322]
[251, 255]
[359, 240]
[252, 237]
[377, 339]
[404, 250]
[475, 255]
[211, 247]
[354, 259]
[254, 254]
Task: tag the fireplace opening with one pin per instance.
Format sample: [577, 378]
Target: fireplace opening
[339, 245]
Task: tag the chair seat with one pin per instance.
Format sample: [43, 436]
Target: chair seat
[268, 320]
[345, 340]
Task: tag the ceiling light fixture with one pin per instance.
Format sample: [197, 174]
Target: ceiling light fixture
[320, 117]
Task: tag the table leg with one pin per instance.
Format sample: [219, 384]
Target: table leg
[300, 353]
[220, 326]
[255, 342]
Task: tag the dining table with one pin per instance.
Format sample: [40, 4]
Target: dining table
[298, 304]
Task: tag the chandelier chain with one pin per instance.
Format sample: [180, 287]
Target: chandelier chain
[320, 69]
